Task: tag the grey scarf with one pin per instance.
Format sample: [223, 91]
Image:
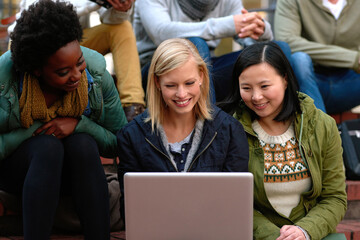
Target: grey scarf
[197, 9]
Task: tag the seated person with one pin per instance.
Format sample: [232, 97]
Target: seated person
[60, 111]
[115, 35]
[205, 23]
[326, 45]
[180, 131]
[296, 154]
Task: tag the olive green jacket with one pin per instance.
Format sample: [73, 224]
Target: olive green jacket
[106, 118]
[323, 207]
[308, 26]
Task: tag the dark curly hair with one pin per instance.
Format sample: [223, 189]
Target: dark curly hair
[40, 31]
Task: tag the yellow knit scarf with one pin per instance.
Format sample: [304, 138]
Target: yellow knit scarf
[33, 104]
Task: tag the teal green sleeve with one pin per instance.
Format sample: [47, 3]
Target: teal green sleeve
[111, 120]
[264, 229]
[11, 140]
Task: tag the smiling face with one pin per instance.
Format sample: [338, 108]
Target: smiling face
[263, 90]
[180, 88]
[63, 69]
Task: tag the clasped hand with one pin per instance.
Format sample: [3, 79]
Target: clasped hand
[249, 24]
[58, 127]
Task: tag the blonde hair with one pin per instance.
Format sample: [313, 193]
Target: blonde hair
[172, 54]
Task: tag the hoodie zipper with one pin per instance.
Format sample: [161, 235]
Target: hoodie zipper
[161, 153]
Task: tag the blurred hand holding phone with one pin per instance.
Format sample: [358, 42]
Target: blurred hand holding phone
[105, 3]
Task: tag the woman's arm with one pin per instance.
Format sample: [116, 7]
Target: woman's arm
[11, 140]
[237, 157]
[128, 160]
[330, 207]
[160, 24]
[263, 228]
[111, 120]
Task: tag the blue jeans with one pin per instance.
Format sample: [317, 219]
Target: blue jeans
[220, 68]
[42, 168]
[334, 90]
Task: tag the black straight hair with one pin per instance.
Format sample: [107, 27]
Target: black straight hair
[270, 53]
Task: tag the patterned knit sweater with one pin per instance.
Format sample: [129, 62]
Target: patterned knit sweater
[285, 174]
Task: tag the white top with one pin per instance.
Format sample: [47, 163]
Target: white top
[336, 8]
[283, 196]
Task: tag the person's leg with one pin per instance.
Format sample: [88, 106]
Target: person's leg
[120, 40]
[340, 89]
[308, 81]
[34, 171]
[88, 185]
[204, 52]
[285, 48]
[144, 75]
[222, 74]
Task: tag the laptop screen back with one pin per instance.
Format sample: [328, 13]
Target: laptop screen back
[171, 206]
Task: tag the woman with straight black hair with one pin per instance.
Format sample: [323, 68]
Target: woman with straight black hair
[295, 149]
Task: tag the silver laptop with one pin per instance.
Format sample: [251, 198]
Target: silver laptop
[182, 206]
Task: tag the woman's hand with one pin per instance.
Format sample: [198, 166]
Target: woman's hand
[58, 127]
[291, 232]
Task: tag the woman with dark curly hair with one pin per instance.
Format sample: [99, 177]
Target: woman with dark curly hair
[59, 111]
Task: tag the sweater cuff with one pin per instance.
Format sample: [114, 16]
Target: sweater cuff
[307, 237]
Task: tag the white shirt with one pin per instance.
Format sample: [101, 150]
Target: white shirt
[336, 8]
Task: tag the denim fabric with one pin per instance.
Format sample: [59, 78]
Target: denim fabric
[220, 68]
[204, 52]
[334, 90]
[304, 72]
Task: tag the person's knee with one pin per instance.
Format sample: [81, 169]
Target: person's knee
[45, 152]
[80, 141]
[81, 148]
[122, 31]
[285, 48]
[45, 146]
[301, 59]
[202, 47]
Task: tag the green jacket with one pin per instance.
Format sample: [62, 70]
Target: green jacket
[308, 26]
[323, 207]
[106, 118]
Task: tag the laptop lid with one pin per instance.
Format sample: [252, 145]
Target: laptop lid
[180, 206]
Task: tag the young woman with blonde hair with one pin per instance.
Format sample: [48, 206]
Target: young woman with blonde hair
[181, 131]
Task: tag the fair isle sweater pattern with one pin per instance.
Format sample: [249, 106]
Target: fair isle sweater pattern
[283, 162]
[282, 159]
